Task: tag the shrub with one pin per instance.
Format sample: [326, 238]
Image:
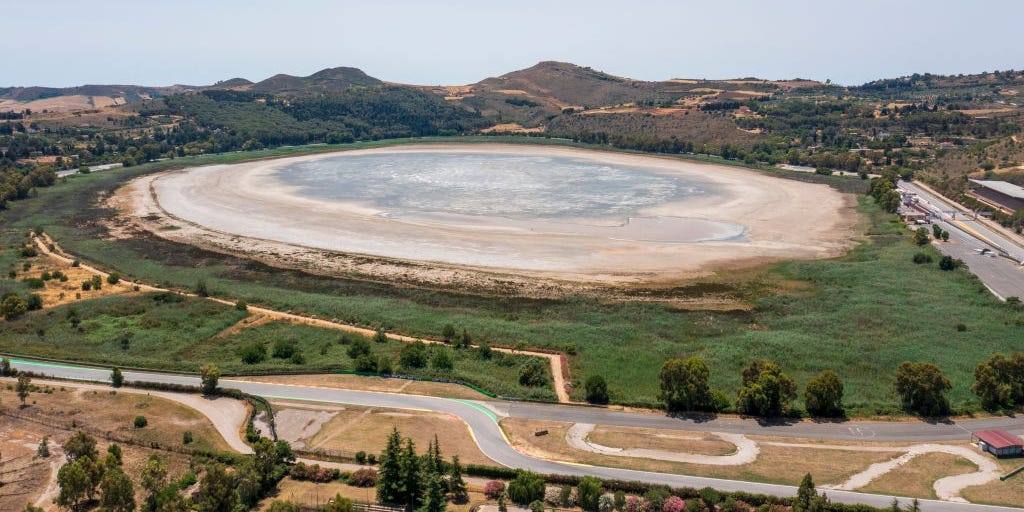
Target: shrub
[442, 360]
[76, 263]
[361, 457]
[113, 278]
[948, 263]
[13, 307]
[526, 488]
[86, 286]
[365, 363]
[363, 477]
[536, 506]
[674, 504]
[413, 355]
[553, 495]
[242, 305]
[921, 258]
[493, 489]
[380, 336]
[140, 422]
[186, 438]
[357, 348]
[533, 373]
[34, 302]
[253, 353]
[34, 282]
[284, 349]
[606, 504]
[597, 390]
[313, 473]
[590, 492]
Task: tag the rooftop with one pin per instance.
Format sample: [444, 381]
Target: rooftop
[999, 439]
[1002, 187]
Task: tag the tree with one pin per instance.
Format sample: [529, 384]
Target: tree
[456, 485]
[380, 336]
[140, 422]
[116, 377]
[442, 360]
[13, 307]
[43, 451]
[999, 382]
[589, 493]
[434, 496]
[210, 374]
[533, 373]
[359, 347]
[80, 445]
[922, 388]
[766, 390]
[74, 486]
[413, 355]
[448, 333]
[389, 481]
[823, 395]
[216, 490]
[525, 488]
[339, 504]
[117, 493]
[113, 278]
[23, 386]
[921, 236]
[805, 493]
[115, 454]
[485, 350]
[5, 368]
[201, 289]
[154, 479]
[411, 475]
[597, 389]
[684, 385]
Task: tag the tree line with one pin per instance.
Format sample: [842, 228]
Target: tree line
[766, 391]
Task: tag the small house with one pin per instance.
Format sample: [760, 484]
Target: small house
[999, 443]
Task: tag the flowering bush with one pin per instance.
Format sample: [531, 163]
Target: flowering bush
[313, 473]
[365, 477]
[553, 495]
[674, 504]
[493, 489]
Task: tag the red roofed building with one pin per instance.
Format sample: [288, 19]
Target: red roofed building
[999, 443]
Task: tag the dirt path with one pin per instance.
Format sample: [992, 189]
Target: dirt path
[946, 488]
[554, 359]
[746, 450]
[227, 415]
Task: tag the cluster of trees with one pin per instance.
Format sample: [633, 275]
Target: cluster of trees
[86, 479]
[766, 391]
[418, 482]
[20, 181]
[999, 382]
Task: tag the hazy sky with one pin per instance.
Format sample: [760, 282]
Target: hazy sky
[162, 42]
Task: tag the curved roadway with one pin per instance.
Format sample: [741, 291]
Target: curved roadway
[482, 418]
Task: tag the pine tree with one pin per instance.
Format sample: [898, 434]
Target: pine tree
[412, 476]
[457, 486]
[390, 486]
[435, 499]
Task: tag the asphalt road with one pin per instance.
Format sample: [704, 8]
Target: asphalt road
[1001, 274]
[483, 423]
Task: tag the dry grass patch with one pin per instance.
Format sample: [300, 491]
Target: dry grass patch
[109, 411]
[655, 439]
[56, 293]
[1009, 493]
[917, 477]
[311, 494]
[368, 383]
[775, 464]
[354, 429]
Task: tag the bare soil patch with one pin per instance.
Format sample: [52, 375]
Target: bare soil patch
[703, 443]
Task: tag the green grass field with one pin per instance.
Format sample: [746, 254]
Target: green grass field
[860, 315]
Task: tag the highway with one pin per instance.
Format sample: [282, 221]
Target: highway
[999, 271]
[482, 419]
